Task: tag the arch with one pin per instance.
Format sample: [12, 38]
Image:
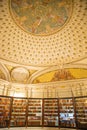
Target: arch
[5, 71]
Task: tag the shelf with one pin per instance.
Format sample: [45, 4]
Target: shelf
[18, 114]
[51, 112]
[43, 112]
[67, 118]
[81, 112]
[4, 111]
[34, 112]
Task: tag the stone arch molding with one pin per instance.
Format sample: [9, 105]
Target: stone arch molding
[5, 72]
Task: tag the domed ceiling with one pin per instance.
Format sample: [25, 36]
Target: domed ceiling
[43, 41]
[41, 17]
[57, 31]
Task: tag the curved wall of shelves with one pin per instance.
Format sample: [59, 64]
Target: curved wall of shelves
[46, 112]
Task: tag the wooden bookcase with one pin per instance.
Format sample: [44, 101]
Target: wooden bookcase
[4, 111]
[81, 112]
[18, 113]
[58, 112]
[66, 109]
[35, 112]
[51, 112]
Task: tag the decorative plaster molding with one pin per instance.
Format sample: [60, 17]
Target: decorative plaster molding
[57, 83]
[5, 71]
[16, 64]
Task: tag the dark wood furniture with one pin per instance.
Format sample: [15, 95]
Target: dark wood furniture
[49, 112]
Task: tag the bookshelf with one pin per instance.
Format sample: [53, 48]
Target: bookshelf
[34, 112]
[56, 112]
[66, 109]
[4, 111]
[51, 112]
[18, 113]
[81, 112]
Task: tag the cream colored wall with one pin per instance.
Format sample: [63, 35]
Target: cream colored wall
[45, 90]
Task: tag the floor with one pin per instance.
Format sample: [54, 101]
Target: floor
[36, 128]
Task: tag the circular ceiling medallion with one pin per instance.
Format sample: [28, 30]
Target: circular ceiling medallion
[20, 74]
[41, 17]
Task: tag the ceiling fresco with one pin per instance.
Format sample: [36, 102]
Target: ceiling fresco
[62, 75]
[41, 17]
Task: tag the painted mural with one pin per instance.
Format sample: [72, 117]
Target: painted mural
[41, 17]
[62, 75]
